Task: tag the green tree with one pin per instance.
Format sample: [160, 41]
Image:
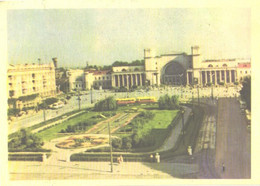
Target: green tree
[245, 92]
[106, 104]
[25, 141]
[117, 143]
[167, 102]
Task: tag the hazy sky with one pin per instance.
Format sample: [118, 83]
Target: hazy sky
[102, 36]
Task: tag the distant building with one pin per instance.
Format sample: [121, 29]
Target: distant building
[181, 69]
[27, 84]
[85, 79]
[170, 69]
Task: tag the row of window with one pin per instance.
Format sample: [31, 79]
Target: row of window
[99, 78]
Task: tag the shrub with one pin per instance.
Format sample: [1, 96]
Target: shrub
[24, 141]
[117, 143]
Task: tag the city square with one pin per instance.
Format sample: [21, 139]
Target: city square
[158, 111]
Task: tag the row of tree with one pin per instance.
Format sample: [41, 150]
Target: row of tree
[169, 103]
[245, 92]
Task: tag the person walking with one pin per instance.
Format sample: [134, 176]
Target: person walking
[157, 157]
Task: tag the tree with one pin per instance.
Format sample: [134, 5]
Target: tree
[245, 92]
[167, 102]
[117, 143]
[106, 104]
[25, 141]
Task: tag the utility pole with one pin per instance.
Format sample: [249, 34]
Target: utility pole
[182, 112]
[91, 97]
[44, 115]
[79, 99]
[110, 144]
[198, 95]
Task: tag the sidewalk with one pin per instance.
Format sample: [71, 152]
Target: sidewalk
[85, 170]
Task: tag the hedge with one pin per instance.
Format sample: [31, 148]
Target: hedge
[140, 157]
[26, 157]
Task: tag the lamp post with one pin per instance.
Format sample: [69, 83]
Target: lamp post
[182, 113]
[212, 87]
[198, 95]
[44, 115]
[180, 75]
[110, 143]
[79, 99]
[91, 97]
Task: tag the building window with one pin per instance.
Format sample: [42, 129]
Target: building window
[245, 72]
[210, 65]
[11, 93]
[224, 65]
[103, 78]
[95, 78]
[34, 89]
[33, 75]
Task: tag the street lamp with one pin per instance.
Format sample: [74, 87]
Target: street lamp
[212, 87]
[110, 142]
[91, 97]
[198, 95]
[182, 113]
[180, 75]
[44, 115]
[79, 99]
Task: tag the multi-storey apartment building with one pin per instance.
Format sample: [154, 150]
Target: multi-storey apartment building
[27, 84]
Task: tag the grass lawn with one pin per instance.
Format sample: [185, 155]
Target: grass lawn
[53, 132]
[157, 128]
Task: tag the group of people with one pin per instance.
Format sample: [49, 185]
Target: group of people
[155, 158]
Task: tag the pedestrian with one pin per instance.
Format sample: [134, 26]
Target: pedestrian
[121, 159]
[151, 157]
[223, 167]
[157, 157]
[118, 160]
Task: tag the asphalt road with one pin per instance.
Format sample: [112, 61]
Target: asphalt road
[233, 144]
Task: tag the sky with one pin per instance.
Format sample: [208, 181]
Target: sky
[102, 36]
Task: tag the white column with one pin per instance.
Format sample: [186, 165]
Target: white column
[188, 78]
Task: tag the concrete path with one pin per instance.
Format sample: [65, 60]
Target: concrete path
[176, 132]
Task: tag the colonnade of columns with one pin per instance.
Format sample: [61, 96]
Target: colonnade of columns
[128, 80]
[214, 77]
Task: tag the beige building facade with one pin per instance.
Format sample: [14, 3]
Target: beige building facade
[169, 69]
[29, 83]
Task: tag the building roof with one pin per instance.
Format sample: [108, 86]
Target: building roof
[99, 72]
[244, 65]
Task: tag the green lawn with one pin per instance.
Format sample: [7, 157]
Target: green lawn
[157, 128]
[53, 132]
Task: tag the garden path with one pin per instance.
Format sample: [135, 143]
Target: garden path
[176, 132]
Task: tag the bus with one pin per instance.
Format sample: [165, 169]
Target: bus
[124, 101]
[146, 100]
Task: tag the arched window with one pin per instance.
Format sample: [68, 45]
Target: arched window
[210, 65]
[123, 70]
[224, 65]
